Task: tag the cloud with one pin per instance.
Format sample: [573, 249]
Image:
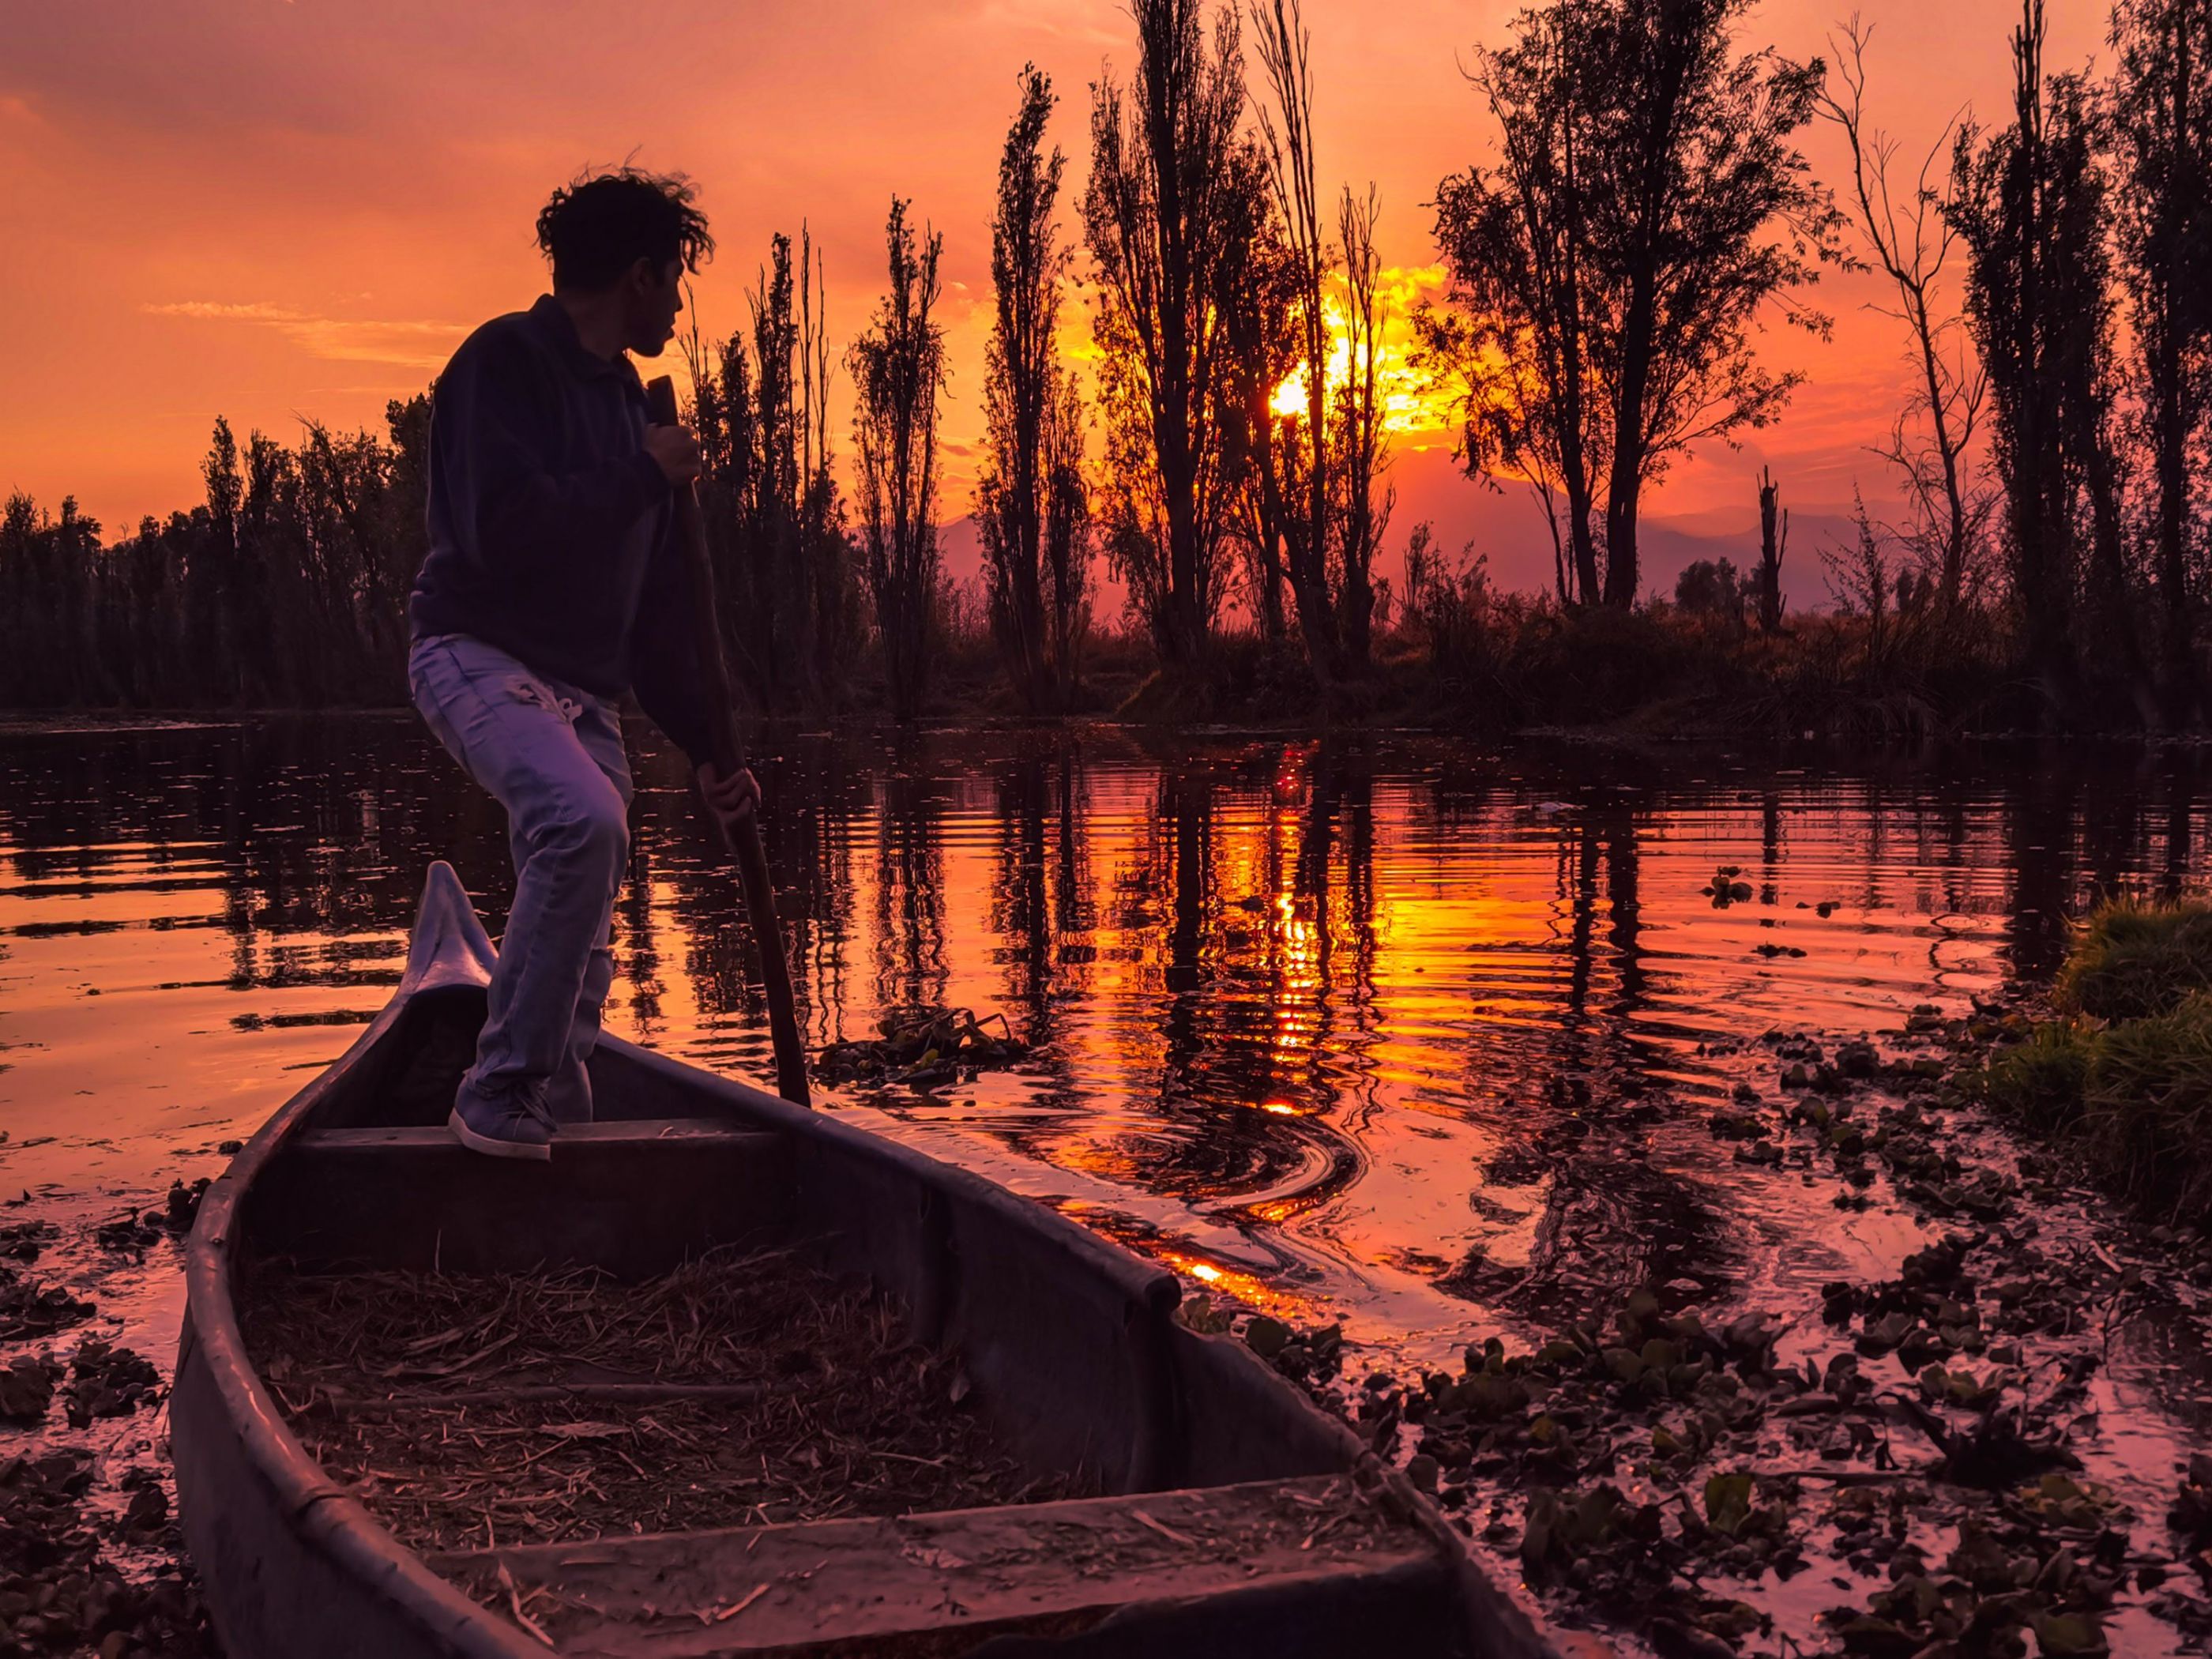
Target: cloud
[1053, 18]
[424, 345]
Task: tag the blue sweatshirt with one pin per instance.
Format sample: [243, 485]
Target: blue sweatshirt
[550, 523]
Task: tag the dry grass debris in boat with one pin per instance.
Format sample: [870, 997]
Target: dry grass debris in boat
[738, 1390]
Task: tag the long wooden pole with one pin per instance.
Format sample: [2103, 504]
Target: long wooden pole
[744, 846]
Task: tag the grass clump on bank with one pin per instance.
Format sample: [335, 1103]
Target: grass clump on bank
[2134, 961]
[2124, 1074]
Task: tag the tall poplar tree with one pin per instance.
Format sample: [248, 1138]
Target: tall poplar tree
[2161, 127]
[1170, 171]
[1032, 508]
[897, 368]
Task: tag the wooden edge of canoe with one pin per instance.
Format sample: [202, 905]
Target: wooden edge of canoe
[447, 947]
[979, 1572]
[1494, 1626]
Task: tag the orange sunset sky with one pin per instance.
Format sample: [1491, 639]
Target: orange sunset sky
[272, 208]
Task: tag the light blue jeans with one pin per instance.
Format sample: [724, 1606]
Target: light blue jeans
[552, 755]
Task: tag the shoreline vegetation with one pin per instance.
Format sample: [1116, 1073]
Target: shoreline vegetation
[1639, 213]
[2121, 1075]
[1504, 666]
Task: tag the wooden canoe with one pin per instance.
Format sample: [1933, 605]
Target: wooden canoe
[1214, 1468]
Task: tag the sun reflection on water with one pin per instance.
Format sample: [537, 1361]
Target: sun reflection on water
[1365, 1026]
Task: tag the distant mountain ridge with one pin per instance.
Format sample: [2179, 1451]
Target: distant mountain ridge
[1509, 528]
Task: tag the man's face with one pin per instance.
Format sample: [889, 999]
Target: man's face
[651, 298]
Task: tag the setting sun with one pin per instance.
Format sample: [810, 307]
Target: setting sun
[1409, 401]
[1289, 402]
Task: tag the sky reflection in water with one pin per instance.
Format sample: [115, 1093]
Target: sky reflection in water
[1388, 1029]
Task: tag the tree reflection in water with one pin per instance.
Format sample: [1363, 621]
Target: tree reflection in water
[1393, 1027]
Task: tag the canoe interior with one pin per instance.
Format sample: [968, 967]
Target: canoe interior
[1287, 1541]
[1072, 1345]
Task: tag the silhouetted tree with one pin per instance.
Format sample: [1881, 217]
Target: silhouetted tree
[286, 586]
[1364, 452]
[364, 573]
[1168, 167]
[1301, 472]
[1710, 588]
[1033, 508]
[407, 491]
[1693, 183]
[2030, 205]
[898, 371]
[1067, 540]
[211, 567]
[1319, 465]
[1862, 579]
[48, 580]
[1911, 241]
[1521, 336]
[775, 518]
[2161, 142]
[1651, 202]
[1261, 352]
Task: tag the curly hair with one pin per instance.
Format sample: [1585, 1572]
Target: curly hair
[599, 225]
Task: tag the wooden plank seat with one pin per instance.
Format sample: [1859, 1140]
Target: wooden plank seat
[411, 1196]
[1288, 1568]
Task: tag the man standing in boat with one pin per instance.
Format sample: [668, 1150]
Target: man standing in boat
[551, 587]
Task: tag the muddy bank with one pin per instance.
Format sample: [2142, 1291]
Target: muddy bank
[91, 1558]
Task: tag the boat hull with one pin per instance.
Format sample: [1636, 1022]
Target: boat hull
[1076, 1360]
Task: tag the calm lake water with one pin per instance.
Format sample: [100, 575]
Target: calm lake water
[1384, 1030]
[1321, 1023]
